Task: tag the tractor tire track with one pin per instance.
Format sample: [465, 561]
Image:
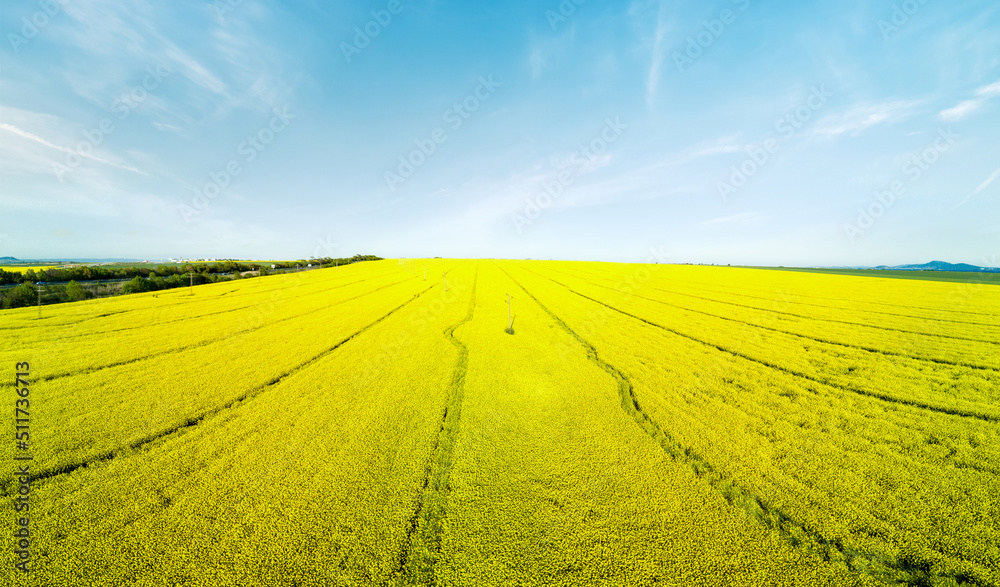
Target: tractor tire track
[713, 287]
[174, 306]
[872, 350]
[758, 507]
[806, 317]
[883, 397]
[253, 289]
[422, 548]
[208, 342]
[977, 467]
[848, 322]
[198, 418]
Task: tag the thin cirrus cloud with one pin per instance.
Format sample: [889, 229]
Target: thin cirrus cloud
[722, 146]
[967, 107]
[740, 219]
[227, 67]
[861, 117]
[989, 180]
[545, 52]
[79, 152]
[656, 61]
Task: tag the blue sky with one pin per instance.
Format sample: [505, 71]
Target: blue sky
[740, 131]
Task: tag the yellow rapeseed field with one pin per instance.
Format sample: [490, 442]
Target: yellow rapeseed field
[25, 268]
[641, 425]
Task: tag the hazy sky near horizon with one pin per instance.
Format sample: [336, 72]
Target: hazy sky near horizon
[741, 131]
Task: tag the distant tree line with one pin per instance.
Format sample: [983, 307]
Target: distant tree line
[143, 279]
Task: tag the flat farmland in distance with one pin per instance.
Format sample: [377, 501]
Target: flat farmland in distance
[642, 425]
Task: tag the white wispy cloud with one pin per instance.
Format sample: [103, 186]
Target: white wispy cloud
[741, 219]
[537, 62]
[546, 51]
[960, 111]
[227, 67]
[862, 117]
[724, 145]
[656, 62]
[195, 71]
[168, 127]
[721, 146]
[967, 107]
[989, 91]
[989, 180]
[86, 155]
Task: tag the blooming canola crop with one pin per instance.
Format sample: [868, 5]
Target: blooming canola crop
[637, 425]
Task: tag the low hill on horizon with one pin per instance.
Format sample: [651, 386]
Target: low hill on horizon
[940, 266]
